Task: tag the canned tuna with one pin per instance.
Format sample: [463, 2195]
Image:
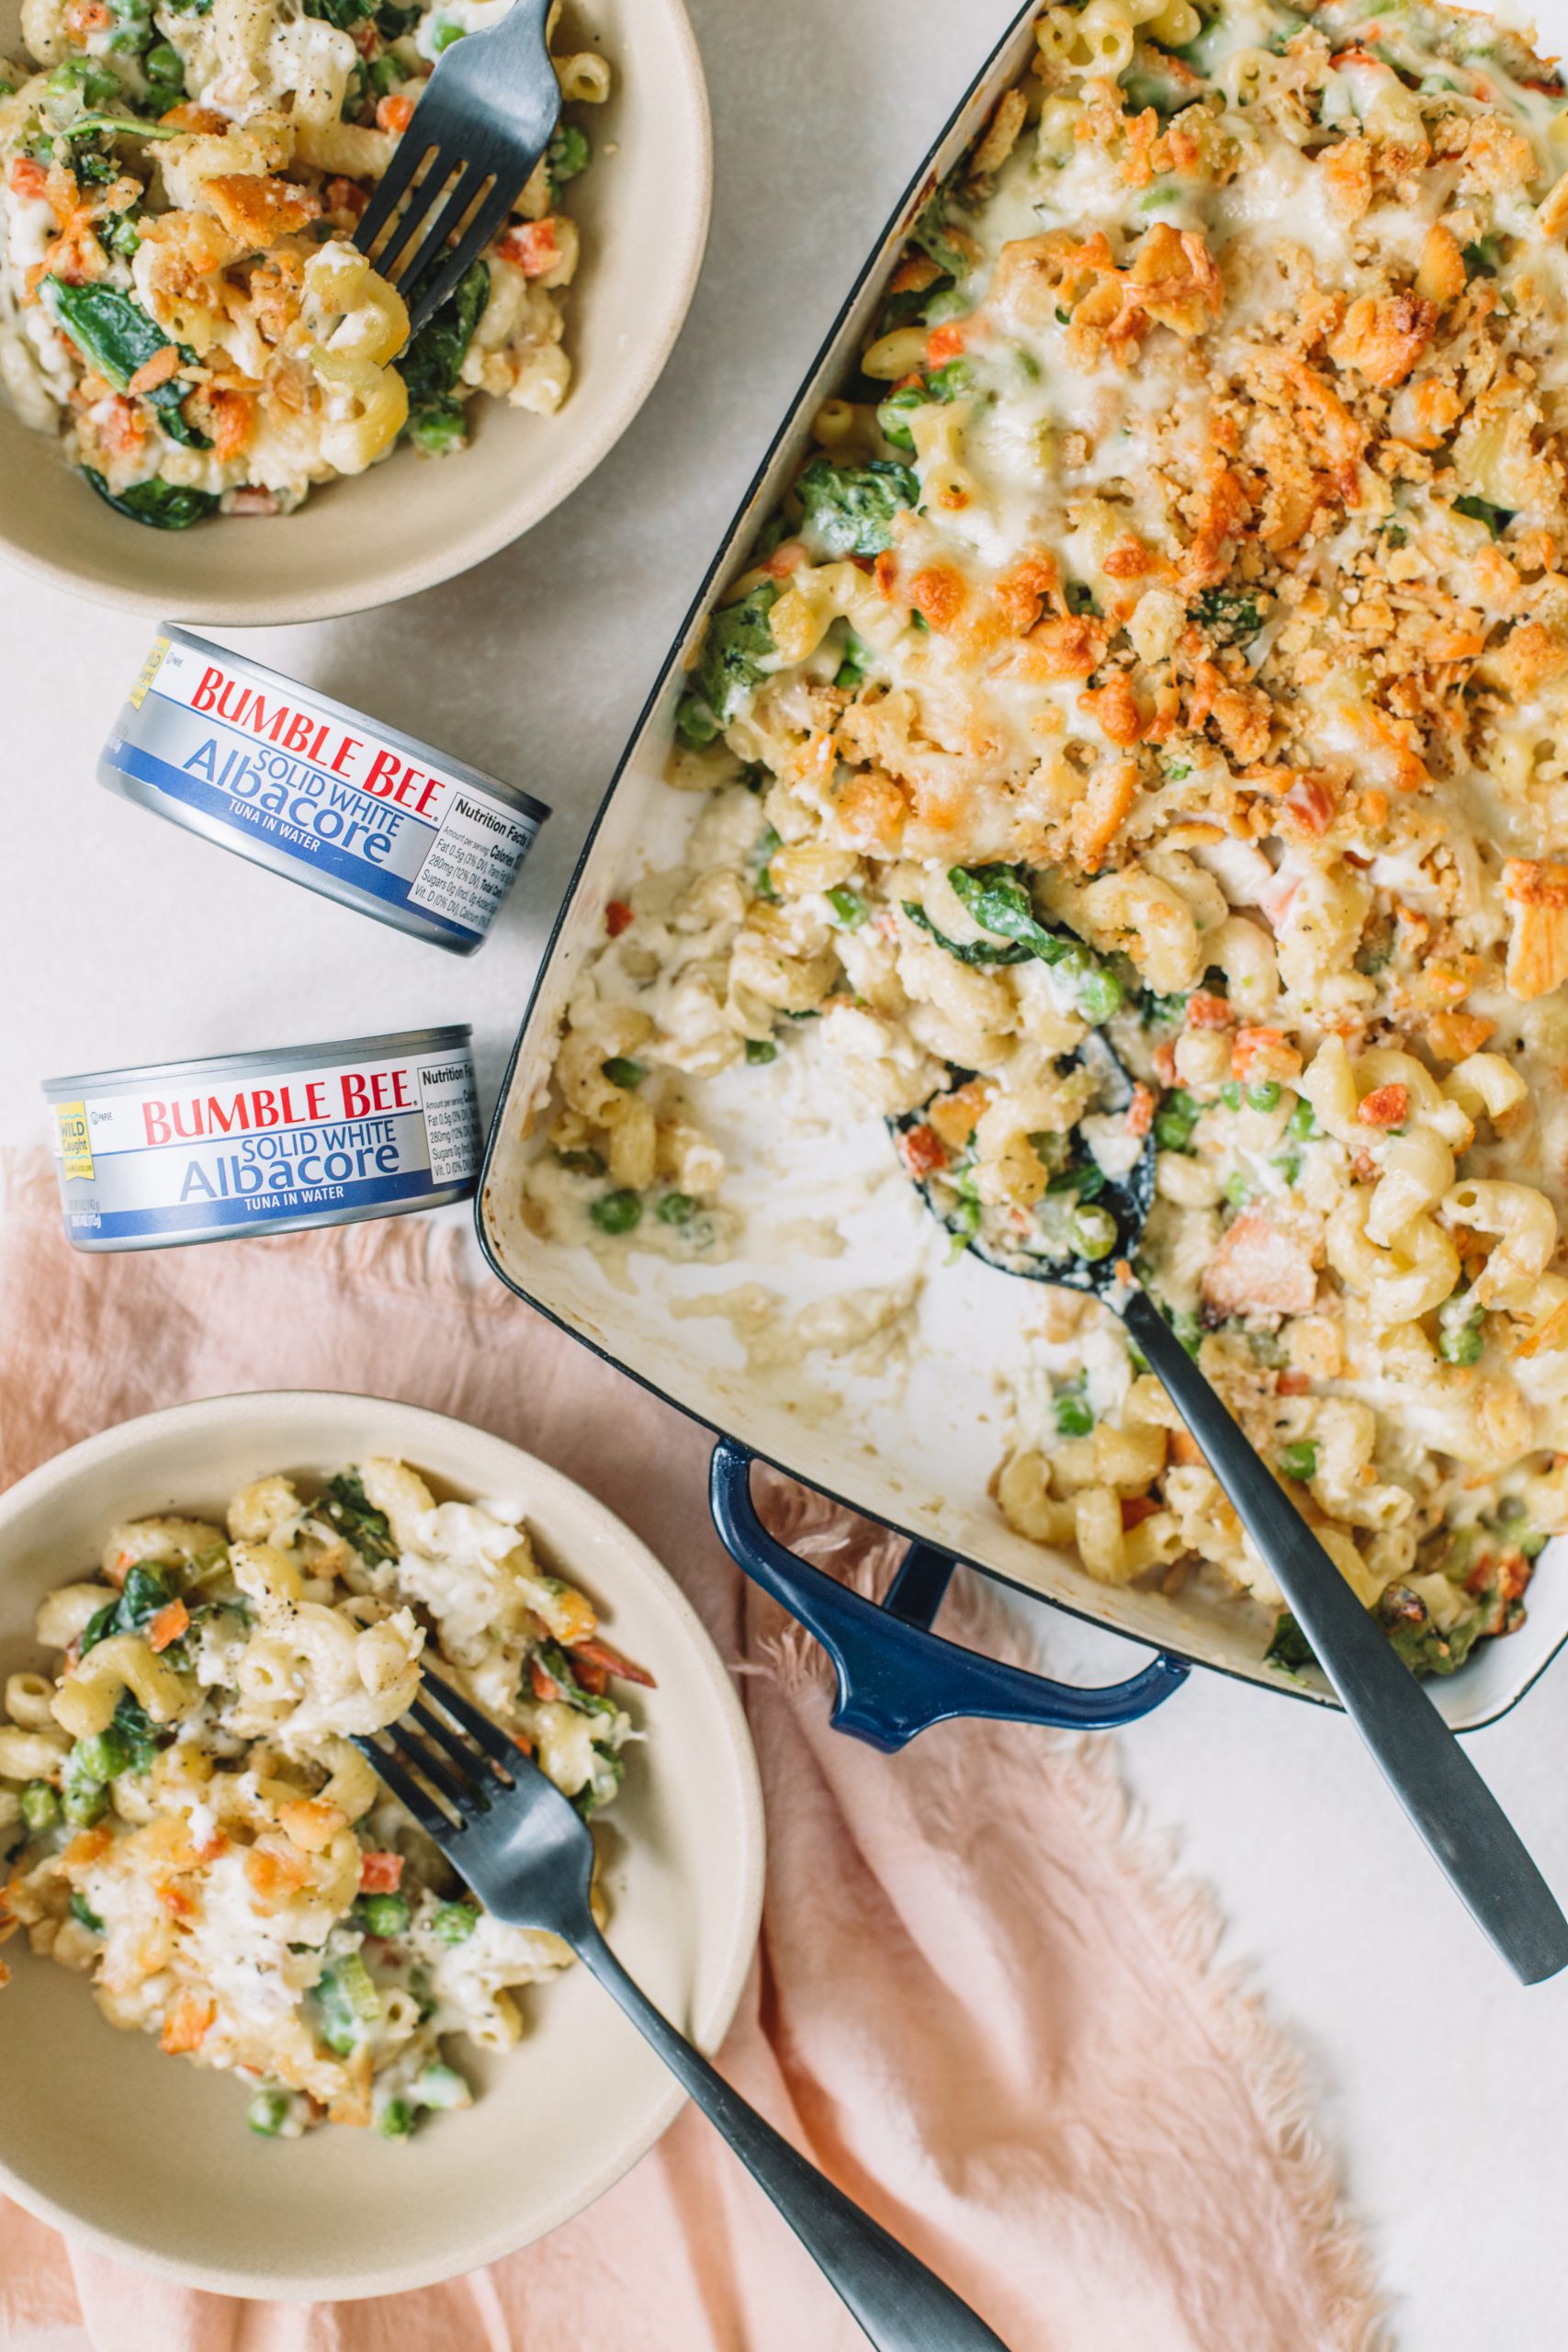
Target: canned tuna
[266, 1142]
[316, 791]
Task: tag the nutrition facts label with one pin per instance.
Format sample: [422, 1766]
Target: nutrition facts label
[472, 861]
[451, 1119]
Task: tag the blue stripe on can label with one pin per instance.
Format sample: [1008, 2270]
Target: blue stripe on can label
[321, 790]
[194, 1155]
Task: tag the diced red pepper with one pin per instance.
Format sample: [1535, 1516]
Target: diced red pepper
[618, 915]
[380, 1874]
[924, 1151]
[1385, 1106]
[599, 1655]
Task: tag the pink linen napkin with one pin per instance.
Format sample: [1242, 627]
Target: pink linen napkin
[978, 2003]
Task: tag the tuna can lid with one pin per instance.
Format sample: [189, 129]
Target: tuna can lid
[453, 1039]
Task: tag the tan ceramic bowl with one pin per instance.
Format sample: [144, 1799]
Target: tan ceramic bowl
[411, 522]
[149, 2158]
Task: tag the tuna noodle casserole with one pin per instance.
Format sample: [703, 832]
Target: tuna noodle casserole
[179, 296]
[1167, 633]
[186, 1820]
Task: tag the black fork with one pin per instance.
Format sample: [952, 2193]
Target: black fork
[529, 1856]
[486, 117]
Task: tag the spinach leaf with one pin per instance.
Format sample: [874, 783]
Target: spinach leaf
[934, 233]
[433, 360]
[392, 22]
[558, 1665]
[1231, 615]
[738, 642]
[144, 1592]
[1408, 1624]
[1480, 510]
[1288, 1648]
[980, 951]
[162, 506]
[348, 1511]
[117, 337]
[850, 509]
[438, 428]
[997, 898]
[341, 13]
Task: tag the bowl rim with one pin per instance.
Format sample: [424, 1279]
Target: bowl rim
[742, 1934]
[433, 566]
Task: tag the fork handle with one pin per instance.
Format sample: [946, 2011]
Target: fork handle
[902, 2306]
[1465, 1828]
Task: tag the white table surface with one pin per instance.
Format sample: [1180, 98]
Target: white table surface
[1441, 2086]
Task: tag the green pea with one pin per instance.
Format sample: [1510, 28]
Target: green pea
[1238, 1191]
[164, 65]
[1265, 1096]
[676, 1208]
[456, 1922]
[395, 2120]
[696, 726]
[760, 1049]
[952, 382]
[623, 1073]
[568, 152]
[1532, 1545]
[1093, 1233]
[1100, 995]
[1303, 1119]
[104, 1755]
[1230, 1094]
[1300, 1461]
[1174, 1120]
[384, 1915]
[267, 2113]
[1463, 1345]
[443, 33]
[384, 75]
[83, 1802]
[41, 1806]
[893, 414]
[442, 2086]
[615, 1212]
[1073, 1416]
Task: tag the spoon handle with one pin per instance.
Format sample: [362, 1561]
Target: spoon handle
[1465, 1828]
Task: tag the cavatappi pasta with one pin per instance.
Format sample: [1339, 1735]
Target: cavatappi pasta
[1169, 631]
[184, 1818]
[179, 295]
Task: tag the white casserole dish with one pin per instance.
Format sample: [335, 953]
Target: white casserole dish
[916, 1450]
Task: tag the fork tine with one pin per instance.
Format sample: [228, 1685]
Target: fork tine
[436, 227]
[456, 1743]
[469, 1796]
[426, 298]
[392, 186]
[406, 240]
[478, 1727]
[430, 1817]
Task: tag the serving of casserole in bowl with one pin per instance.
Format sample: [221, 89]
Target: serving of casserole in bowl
[1148, 622]
[200, 1610]
[191, 339]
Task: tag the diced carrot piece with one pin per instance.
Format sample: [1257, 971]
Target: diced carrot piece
[624, 1669]
[946, 342]
[394, 112]
[28, 178]
[1385, 1106]
[1310, 802]
[187, 2026]
[234, 415]
[1137, 1508]
[1292, 1384]
[346, 195]
[174, 1899]
[1141, 1111]
[544, 1683]
[85, 1848]
[785, 558]
[1206, 1011]
[923, 1151]
[381, 1872]
[531, 247]
[167, 1625]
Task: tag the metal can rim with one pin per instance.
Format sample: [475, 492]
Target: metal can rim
[455, 1036]
[513, 794]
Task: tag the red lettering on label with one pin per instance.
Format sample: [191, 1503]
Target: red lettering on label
[205, 697]
[153, 1114]
[401, 1099]
[221, 1122]
[356, 1102]
[319, 737]
[299, 733]
[316, 1099]
[432, 786]
[346, 751]
[382, 781]
[264, 1106]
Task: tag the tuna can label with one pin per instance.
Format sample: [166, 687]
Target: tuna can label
[321, 787]
[184, 1156]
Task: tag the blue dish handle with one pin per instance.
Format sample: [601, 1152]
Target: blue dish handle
[895, 1677]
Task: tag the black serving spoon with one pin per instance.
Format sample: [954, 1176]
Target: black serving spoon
[1450, 1804]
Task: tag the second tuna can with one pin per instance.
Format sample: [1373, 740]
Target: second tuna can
[316, 791]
